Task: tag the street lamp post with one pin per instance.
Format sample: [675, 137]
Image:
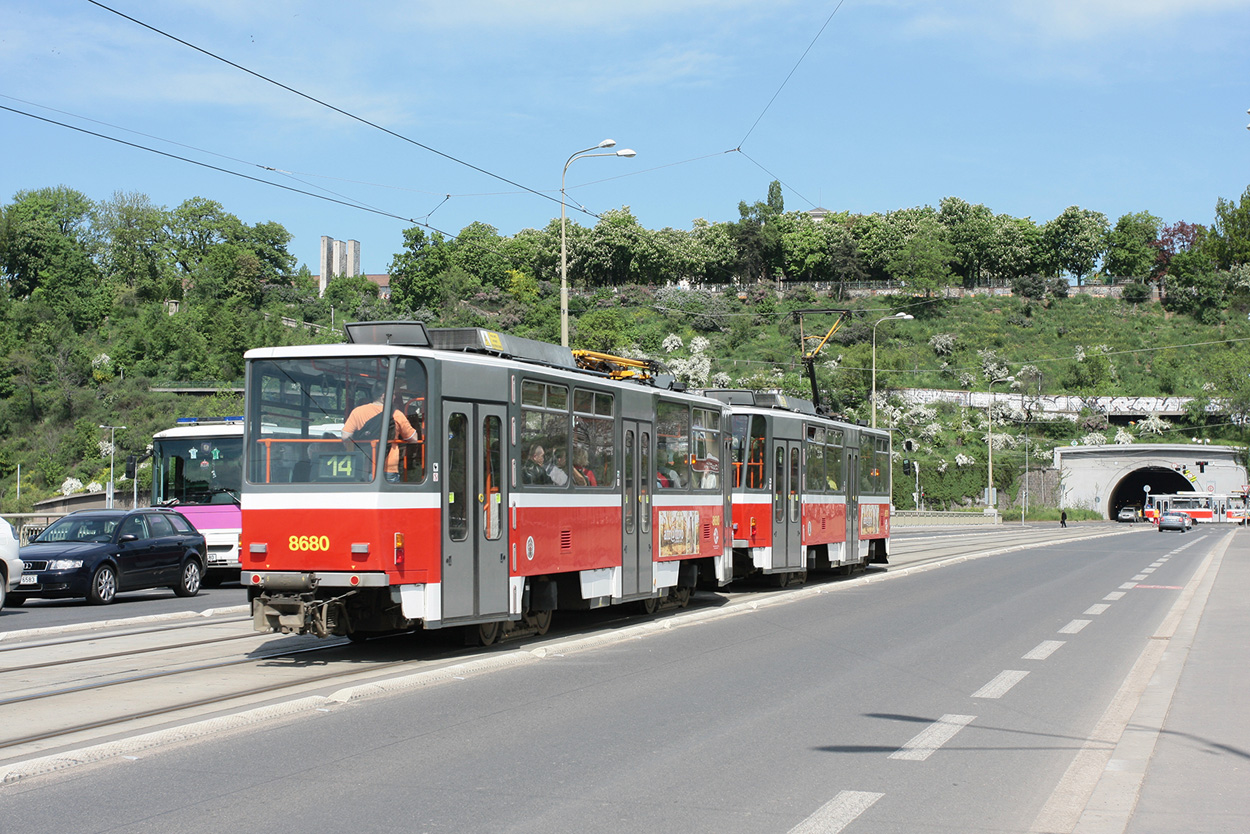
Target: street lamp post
[564, 264]
[897, 317]
[990, 497]
[108, 498]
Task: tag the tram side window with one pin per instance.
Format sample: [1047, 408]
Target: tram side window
[594, 452]
[544, 434]
[672, 442]
[408, 405]
[874, 466]
[705, 461]
[834, 449]
[815, 449]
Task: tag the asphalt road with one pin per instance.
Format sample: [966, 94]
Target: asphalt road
[948, 700]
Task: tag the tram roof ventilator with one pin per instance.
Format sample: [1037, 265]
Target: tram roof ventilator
[761, 399]
[481, 340]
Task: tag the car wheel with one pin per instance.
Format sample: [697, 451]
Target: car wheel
[189, 584]
[103, 586]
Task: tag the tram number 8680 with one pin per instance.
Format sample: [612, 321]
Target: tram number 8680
[309, 543]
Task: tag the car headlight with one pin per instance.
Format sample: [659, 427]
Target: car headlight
[64, 564]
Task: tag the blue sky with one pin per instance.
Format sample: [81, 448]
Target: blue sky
[1027, 106]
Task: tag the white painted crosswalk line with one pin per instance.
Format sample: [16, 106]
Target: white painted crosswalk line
[998, 687]
[926, 743]
[1044, 650]
[837, 813]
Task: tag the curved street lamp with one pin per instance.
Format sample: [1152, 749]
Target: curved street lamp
[564, 264]
[989, 442]
[896, 317]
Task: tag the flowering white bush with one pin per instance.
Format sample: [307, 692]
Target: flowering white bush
[1093, 439]
[70, 486]
[1154, 424]
[942, 343]
[1123, 436]
[105, 448]
[721, 380]
[966, 380]
[671, 343]
[94, 486]
[931, 431]
[964, 460]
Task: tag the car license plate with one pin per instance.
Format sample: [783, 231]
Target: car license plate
[29, 579]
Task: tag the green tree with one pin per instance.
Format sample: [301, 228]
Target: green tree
[479, 251]
[415, 271]
[136, 253]
[1075, 240]
[1130, 253]
[1230, 234]
[970, 230]
[924, 258]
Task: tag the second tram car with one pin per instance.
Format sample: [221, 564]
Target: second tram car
[461, 477]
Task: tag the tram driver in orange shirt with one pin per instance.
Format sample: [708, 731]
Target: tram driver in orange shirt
[365, 424]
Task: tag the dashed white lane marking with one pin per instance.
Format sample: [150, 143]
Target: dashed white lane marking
[1158, 564]
[998, 687]
[927, 742]
[1147, 570]
[1114, 595]
[1139, 577]
[1095, 610]
[1128, 586]
[1074, 627]
[1043, 650]
[837, 813]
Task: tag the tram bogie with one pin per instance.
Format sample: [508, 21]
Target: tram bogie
[420, 478]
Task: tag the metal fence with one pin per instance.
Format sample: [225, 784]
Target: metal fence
[30, 525]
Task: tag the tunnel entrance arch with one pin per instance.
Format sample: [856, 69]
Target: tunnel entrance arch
[1129, 491]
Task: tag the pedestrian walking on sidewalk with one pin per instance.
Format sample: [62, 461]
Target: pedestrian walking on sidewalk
[1063, 518]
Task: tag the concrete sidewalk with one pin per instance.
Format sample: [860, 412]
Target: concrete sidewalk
[1198, 778]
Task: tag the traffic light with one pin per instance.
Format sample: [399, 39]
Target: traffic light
[906, 466]
[132, 463]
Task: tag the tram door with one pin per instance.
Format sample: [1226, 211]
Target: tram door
[852, 505]
[637, 479]
[475, 500]
[787, 477]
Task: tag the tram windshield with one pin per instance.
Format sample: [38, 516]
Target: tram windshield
[198, 469]
[325, 420]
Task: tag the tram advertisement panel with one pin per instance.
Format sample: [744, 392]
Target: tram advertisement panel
[679, 533]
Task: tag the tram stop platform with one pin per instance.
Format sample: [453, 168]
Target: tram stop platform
[1182, 763]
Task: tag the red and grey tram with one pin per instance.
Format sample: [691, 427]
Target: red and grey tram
[809, 492]
[431, 478]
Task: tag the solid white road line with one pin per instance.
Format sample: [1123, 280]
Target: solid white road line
[1074, 627]
[837, 813]
[1044, 650]
[998, 687]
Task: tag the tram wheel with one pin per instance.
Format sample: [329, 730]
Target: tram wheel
[682, 594]
[650, 605]
[488, 633]
[541, 620]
